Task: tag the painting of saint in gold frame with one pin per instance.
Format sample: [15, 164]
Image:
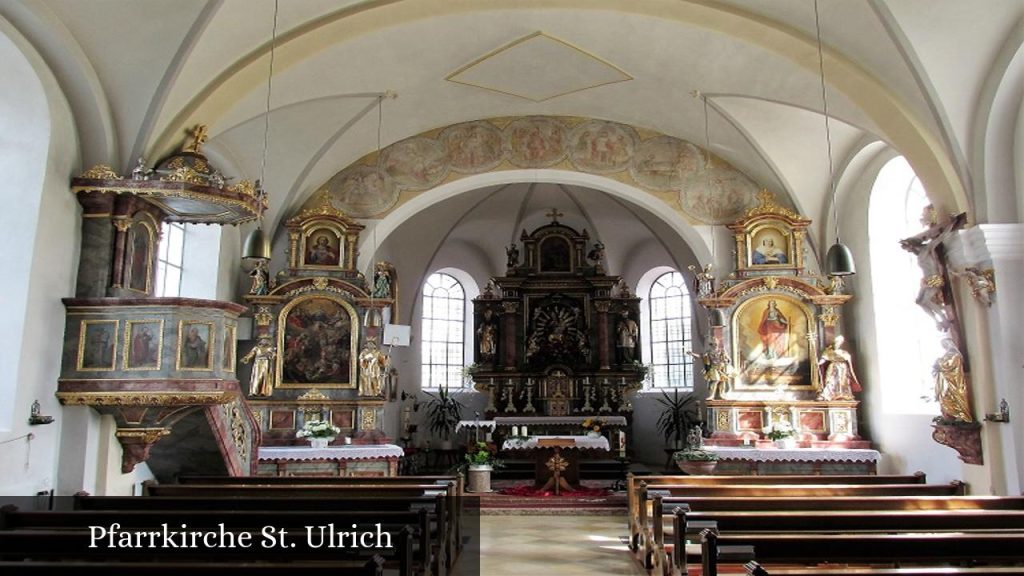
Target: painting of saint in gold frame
[770, 246]
[97, 345]
[322, 247]
[230, 345]
[140, 259]
[143, 344]
[196, 341]
[317, 339]
[773, 344]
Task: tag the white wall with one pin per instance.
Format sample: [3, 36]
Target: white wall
[39, 230]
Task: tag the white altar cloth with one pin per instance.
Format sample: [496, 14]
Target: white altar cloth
[599, 443]
[795, 454]
[349, 452]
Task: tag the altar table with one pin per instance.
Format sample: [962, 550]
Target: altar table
[368, 460]
[756, 461]
[557, 458]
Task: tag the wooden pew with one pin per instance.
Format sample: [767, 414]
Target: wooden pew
[668, 543]
[437, 505]
[427, 542]
[31, 546]
[372, 567]
[740, 495]
[928, 549]
[634, 484]
[755, 569]
[369, 487]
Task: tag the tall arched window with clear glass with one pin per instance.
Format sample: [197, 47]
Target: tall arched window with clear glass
[671, 320]
[908, 340]
[443, 328]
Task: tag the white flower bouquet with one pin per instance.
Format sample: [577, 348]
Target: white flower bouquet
[318, 429]
[779, 430]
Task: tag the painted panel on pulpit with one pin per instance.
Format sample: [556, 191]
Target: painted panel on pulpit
[318, 344]
[771, 343]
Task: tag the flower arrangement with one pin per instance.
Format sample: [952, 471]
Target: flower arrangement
[482, 454]
[318, 429]
[779, 430]
[695, 455]
[593, 424]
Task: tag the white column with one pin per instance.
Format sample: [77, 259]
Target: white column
[1000, 247]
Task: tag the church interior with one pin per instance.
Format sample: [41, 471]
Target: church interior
[646, 252]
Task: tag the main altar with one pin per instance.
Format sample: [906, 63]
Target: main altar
[557, 338]
[779, 354]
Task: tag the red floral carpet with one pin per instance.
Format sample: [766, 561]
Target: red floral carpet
[518, 497]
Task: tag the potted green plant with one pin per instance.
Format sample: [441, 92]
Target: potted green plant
[481, 459]
[696, 460]
[679, 413]
[443, 413]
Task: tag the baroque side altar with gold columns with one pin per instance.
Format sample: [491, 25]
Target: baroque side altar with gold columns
[781, 341]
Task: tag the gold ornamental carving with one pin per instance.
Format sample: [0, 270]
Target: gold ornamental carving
[325, 208]
[100, 172]
[143, 435]
[841, 423]
[122, 224]
[510, 307]
[238, 431]
[722, 420]
[186, 175]
[257, 415]
[320, 283]
[313, 395]
[767, 205]
[368, 420]
[263, 316]
[602, 306]
[828, 316]
[770, 282]
[126, 398]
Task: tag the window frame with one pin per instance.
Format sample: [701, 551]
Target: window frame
[454, 347]
[684, 319]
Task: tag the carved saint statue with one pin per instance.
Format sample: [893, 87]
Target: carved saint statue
[373, 369]
[838, 380]
[260, 279]
[703, 280]
[951, 384]
[262, 356]
[382, 281]
[626, 334]
[488, 336]
[718, 370]
[512, 253]
[926, 245]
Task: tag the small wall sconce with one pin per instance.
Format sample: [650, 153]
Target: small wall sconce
[1002, 416]
[35, 418]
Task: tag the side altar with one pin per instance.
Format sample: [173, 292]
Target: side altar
[778, 360]
[557, 336]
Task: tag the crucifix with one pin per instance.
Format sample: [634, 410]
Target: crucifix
[198, 138]
[554, 214]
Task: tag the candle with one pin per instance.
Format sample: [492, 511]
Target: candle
[524, 430]
[515, 430]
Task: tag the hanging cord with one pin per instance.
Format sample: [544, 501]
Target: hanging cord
[828, 132]
[707, 172]
[266, 116]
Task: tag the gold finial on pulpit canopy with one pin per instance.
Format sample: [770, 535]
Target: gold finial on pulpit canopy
[199, 137]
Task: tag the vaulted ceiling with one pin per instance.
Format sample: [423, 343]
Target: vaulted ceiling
[137, 73]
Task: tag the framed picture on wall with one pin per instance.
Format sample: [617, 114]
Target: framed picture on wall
[317, 339]
[195, 345]
[143, 344]
[322, 247]
[97, 345]
[773, 344]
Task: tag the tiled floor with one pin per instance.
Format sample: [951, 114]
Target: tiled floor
[555, 545]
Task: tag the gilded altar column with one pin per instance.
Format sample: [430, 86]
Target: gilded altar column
[509, 349]
[603, 343]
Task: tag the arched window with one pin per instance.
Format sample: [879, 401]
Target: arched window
[444, 313]
[170, 259]
[670, 313]
[908, 340]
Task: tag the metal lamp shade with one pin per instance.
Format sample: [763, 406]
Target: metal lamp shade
[839, 261]
[717, 318]
[373, 318]
[256, 246]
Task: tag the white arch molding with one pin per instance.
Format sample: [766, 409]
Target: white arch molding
[653, 207]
